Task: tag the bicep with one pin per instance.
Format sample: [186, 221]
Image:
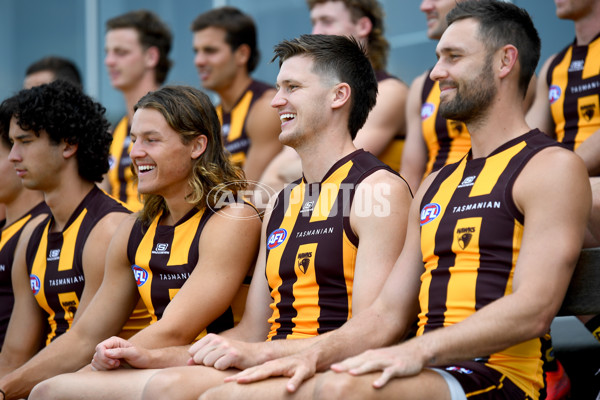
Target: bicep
[117, 292]
[94, 257]
[414, 155]
[539, 114]
[24, 336]
[376, 256]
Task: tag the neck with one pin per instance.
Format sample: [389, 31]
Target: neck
[178, 208]
[134, 94]
[24, 202]
[231, 94]
[65, 198]
[317, 159]
[587, 28]
[496, 127]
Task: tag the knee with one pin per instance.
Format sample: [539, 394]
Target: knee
[165, 384]
[332, 385]
[45, 390]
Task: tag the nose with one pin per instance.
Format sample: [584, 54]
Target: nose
[199, 59]
[15, 154]
[426, 5]
[136, 150]
[108, 59]
[318, 29]
[438, 72]
[278, 100]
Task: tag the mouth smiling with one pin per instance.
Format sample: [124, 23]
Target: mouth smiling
[286, 117]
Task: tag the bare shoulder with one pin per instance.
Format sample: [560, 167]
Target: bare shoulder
[552, 173]
[392, 87]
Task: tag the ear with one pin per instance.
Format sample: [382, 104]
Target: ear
[69, 150]
[151, 56]
[508, 58]
[364, 26]
[199, 146]
[341, 95]
[242, 54]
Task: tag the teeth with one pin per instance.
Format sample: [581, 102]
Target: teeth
[145, 168]
[286, 117]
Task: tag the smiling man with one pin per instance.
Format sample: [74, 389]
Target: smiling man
[226, 53]
[137, 47]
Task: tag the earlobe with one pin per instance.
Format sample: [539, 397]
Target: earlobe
[199, 146]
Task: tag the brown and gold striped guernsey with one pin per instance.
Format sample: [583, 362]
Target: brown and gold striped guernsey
[9, 237]
[55, 260]
[163, 257]
[574, 92]
[123, 182]
[311, 250]
[471, 233]
[447, 141]
[233, 124]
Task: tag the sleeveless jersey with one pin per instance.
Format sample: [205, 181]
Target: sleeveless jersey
[447, 141]
[471, 233]
[9, 237]
[574, 92]
[163, 257]
[123, 182]
[54, 260]
[392, 154]
[311, 250]
[233, 123]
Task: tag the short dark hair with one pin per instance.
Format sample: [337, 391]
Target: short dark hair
[378, 45]
[239, 28]
[60, 67]
[64, 112]
[502, 23]
[343, 58]
[153, 32]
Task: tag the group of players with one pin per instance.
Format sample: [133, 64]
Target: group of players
[199, 297]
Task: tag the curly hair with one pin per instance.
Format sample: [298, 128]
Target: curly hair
[239, 27]
[378, 45]
[190, 113]
[66, 114]
[152, 32]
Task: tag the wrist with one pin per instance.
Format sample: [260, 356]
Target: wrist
[2, 394]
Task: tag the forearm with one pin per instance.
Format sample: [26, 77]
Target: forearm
[167, 357]
[367, 330]
[498, 326]
[60, 357]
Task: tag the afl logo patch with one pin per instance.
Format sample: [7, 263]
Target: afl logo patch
[426, 111]
[554, 93]
[140, 275]
[276, 238]
[430, 212]
[35, 283]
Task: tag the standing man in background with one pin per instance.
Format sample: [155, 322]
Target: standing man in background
[49, 69]
[383, 133]
[137, 48]
[225, 55]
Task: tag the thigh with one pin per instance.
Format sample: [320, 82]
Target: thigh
[117, 384]
[182, 383]
[427, 385]
[272, 388]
